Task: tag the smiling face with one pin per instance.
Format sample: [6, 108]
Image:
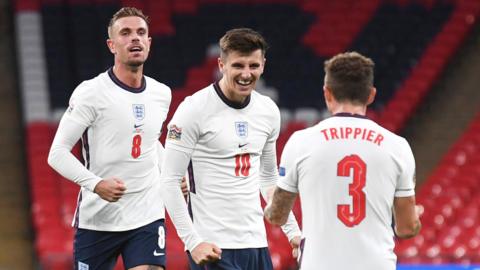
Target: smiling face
[241, 72]
[129, 41]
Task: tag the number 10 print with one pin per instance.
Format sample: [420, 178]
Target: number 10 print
[242, 165]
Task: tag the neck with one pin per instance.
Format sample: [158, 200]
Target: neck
[349, 108]
[230, 95]
[131, 76]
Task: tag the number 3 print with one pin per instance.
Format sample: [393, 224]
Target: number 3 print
[355, 189]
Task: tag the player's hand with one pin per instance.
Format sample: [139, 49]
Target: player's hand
[206, 253]
[295, 243]
[110, 189]
[184, 187]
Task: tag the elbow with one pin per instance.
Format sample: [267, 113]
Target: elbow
[51, 158]
[275, 219]
[55, 157]
[409, 230]
[279, 221]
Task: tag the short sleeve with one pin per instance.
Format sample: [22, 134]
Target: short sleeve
[288, 170]
[183, 129]
[406, 180]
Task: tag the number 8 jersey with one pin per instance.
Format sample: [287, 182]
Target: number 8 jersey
[347, 170]
[121, 127]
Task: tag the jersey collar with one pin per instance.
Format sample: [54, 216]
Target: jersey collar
[345, 114]
[230, 103]
[124, 86]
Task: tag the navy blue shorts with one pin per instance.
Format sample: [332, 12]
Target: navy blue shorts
[238, 259]
[98, 250]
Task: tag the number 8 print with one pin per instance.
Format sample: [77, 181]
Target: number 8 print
[161, 237]
[136, 143]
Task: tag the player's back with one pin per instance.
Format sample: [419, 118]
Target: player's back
[348, 169]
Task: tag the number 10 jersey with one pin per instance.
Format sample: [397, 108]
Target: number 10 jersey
[227, 143]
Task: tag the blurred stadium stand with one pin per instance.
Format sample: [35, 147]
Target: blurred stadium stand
[60, 43]
[15, 230]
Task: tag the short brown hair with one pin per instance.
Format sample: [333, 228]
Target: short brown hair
[126, 12]
[349, 76]
[243, 40]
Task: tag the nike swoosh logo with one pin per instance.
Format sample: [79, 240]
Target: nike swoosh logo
[242, 145]
[155, 253]
[137, 126]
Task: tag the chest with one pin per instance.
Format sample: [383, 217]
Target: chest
[231, 132]
[127, 113]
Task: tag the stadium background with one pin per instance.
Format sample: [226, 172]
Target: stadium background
[427, 76]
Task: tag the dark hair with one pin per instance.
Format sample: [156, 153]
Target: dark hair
[243, 40]
[349, 76]
[126, 12]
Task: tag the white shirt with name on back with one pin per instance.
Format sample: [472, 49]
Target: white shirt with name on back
[347, 170]
[122, 127]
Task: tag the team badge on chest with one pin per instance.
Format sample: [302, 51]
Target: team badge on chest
[241, 129]
[138, 111]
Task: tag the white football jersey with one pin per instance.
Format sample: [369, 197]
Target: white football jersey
[225, 141]
[122, 129]
[347, 170]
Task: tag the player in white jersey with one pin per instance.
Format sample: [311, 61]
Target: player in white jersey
[352, 176]
[225, 134]
[119, 116]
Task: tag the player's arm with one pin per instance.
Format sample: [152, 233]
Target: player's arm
[173, 169]
[407, 221]
[63, 161]
[160, 154]
[268, 179]
[278, 210]
[71, 127]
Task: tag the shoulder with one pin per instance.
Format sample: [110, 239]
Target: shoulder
[89, 89]
[302, 134]
[266, 107]
[197, 103]
[397, 139]
[265, 101]
[200, 99]
[158, 87]
[151, 82]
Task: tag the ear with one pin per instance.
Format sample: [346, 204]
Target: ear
[111, 46]
[221, 65]
[263, 65]
[149, 44]
[327, 94]
[371, 97]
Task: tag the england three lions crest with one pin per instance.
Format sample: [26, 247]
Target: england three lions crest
[241, 129]
[138, 111]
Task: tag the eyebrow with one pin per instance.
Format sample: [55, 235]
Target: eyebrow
[130, 29]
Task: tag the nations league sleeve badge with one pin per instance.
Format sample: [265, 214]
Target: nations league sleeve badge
[174, 133]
